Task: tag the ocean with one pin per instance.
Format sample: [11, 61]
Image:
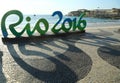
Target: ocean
[91, 22]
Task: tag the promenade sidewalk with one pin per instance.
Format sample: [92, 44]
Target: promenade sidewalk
[91, 57]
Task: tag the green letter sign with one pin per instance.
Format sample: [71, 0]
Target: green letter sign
[74, 24]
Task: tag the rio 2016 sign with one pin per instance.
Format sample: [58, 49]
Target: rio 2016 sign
[72, 24]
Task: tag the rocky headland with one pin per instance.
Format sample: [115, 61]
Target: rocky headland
[113, 13]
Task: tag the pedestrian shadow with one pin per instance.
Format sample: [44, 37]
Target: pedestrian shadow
[2, 77]
[67, 67]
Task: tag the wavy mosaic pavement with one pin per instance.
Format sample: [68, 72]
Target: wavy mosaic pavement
[91, 57]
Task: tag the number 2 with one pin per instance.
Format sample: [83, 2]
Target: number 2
[60, 15]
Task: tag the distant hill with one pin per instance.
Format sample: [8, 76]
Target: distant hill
[113, 13]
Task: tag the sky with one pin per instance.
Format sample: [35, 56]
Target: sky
[49, 6]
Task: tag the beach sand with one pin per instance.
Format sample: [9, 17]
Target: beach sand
[90, 57]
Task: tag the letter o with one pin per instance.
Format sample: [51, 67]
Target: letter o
[38, 28]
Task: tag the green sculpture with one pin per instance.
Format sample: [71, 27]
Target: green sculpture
[71, 24]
